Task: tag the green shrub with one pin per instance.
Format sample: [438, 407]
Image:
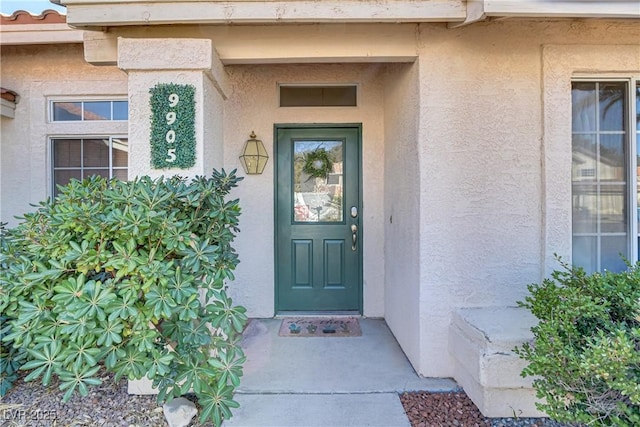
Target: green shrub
[586, 353]
[129, 276]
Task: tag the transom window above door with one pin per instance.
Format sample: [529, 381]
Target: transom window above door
[318, 95]
[605, 174]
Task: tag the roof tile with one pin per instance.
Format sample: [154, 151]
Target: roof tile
[18, 17]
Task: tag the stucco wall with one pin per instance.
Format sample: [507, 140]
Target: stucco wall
[468, 163]
[402, 207]
[38, 74]
[253, 105]
[482, 235]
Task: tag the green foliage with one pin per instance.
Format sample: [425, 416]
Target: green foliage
[173, 126]
[585, 357]
[129, 276]
[318, 163]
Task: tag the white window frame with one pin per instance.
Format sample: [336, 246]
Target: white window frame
[111, 168]
[633, 133]
[82, 129]
[83, 100]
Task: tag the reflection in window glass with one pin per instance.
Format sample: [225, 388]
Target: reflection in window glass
[120, 110]
[318, 198]
[89, 110]
[97, 110]
[120, 152]
[600, 171]
[67, 111]
[612, 105]
[583, 101]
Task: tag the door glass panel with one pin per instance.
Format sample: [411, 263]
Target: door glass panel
[318, 198]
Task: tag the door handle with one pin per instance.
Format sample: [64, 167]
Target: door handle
[354, 237]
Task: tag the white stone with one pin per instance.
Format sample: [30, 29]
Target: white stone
[179, 412]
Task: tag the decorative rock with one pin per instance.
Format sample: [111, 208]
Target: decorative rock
[179, 412]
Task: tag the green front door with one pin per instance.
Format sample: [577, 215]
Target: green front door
[318, 227]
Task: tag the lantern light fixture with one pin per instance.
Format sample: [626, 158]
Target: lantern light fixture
[254, 156]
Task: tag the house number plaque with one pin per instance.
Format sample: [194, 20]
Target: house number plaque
[173, 142]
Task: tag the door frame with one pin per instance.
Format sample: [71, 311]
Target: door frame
[276, 128]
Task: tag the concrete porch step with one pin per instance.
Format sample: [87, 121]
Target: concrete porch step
[319, 410]
[481, 342]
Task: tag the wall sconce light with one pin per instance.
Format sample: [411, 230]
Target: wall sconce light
[254, 156]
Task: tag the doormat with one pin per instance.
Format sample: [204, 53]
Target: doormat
[320, 327]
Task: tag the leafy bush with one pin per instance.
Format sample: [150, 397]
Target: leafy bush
[129, 276]
[586, 352]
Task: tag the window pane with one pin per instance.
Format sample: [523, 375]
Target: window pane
[601, 210]
[614, 248]
[613, 209]
[120, 152]
[120, 174]
[120, 110]
[101, 172]
[585, 253]
[584, 154]
[612, 102]
[63, 177]
[97, 110]
[96, 152]
[67, 111]
[638, 108]
[66, 153]
[611, 166]
[583, 99]
[318, 96]
[585, 209]
[318, 199]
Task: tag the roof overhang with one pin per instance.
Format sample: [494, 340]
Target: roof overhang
[90, 13]
[49, 27]
[561, 8]
[479, 10]
[27, 34]
[101, 13]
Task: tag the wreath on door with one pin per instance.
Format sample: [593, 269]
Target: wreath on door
[318, 163]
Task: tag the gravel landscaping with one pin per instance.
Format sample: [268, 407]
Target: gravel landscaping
[426, 409]
[109, 405]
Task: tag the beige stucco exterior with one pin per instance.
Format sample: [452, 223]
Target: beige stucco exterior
[466, 144]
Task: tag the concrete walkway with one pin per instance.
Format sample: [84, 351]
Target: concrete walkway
[325, 381]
